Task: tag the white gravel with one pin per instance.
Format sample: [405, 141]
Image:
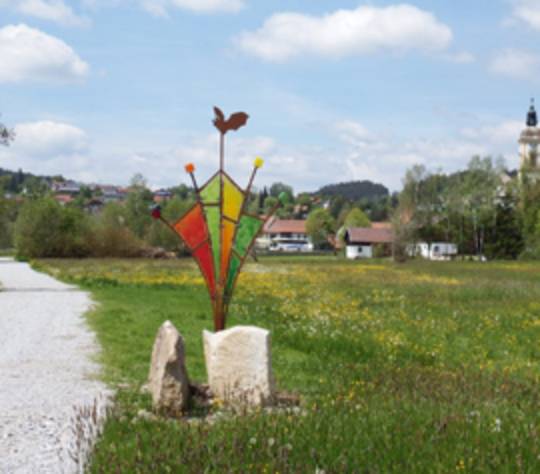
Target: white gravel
[51, 403]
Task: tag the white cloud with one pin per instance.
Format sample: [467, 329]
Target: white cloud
[51, 10]
[161, 7]
[28, 54]
[516, 64]
[528, 12]
[358, 152]
[342, 33]
[49, 147]
[499, 134]
[385, 159]
[48, 138]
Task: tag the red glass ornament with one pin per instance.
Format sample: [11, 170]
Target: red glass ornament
[156, 212]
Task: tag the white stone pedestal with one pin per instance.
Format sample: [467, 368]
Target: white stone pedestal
[239, 365]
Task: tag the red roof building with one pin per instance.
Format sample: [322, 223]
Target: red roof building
[285, 235]
[366, 242]
[285, 226]
[63, 199]
[368, 235]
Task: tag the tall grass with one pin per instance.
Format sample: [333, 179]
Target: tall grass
[422, 367]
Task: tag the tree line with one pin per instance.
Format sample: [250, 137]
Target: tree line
[483, 209]
[486, 210]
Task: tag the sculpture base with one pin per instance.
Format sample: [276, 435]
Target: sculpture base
[239, 365]
[168, 381]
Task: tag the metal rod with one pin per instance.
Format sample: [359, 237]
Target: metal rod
[195, 187]
[169, 225]
[221, 151]
[250, 183]
[219, 315]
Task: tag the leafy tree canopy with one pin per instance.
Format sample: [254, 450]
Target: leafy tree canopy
[319, 226]
[357, 218]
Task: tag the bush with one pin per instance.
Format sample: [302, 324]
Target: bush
[159, 235]
[45, 229]
[381, 251]
[531, 252]
[110, 237]
[8, 215]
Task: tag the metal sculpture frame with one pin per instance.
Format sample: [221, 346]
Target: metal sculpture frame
[215, 256]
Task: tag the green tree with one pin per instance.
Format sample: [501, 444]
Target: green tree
[504, 239]
[138, 203]
[8, 216]
[319, 226]
[34, 187]
[182, 191]
[269, 203]
[336, 205]
[357, 218]
[479, 192]
[46, 229]
[5, 184]
[277, 188]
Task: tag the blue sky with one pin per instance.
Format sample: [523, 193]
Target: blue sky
[336, 90]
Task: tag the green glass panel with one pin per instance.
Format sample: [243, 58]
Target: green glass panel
[210, 192]
[212, 218]
[233, 271]
[248, 228]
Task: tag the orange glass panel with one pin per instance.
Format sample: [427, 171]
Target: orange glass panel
[192, 227]
[227, 234]
[203, 255]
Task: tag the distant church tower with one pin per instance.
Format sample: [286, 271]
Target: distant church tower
[529, 142]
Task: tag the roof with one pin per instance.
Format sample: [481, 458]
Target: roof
[65, 198]
[280, 226]
[358, 235]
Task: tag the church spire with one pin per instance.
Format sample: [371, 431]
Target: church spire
[532, 118]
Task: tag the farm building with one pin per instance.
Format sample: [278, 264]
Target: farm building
[287, 235]
[361, 241]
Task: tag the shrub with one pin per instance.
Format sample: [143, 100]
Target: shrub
[45, 229]
[109, 235]
[381, 251]
[8, 215]
[159, 235]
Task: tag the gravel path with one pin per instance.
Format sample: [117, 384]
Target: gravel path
[51, 403]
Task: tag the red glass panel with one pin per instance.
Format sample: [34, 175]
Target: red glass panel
[192, 227]
[204, 257]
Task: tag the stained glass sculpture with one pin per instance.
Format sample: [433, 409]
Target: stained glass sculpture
[218, 230]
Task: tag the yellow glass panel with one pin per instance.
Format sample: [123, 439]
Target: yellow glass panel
[232, 199]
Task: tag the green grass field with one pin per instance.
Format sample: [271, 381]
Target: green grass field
[420, 367]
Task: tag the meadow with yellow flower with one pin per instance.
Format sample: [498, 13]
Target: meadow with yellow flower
[416, 367]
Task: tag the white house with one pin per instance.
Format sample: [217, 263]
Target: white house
[360, 241]
[285, 235]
